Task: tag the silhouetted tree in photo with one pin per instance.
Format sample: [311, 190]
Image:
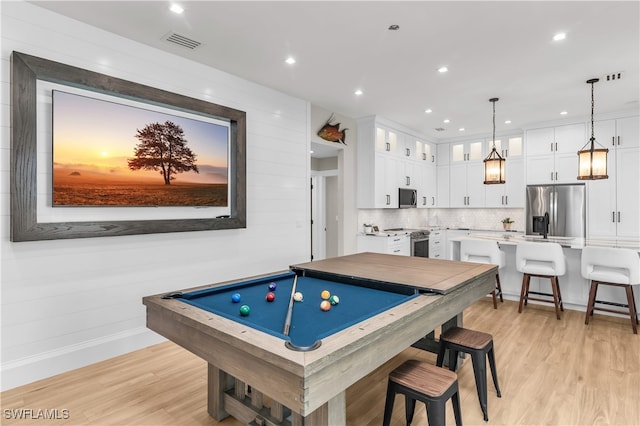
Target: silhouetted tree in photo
[163, 148]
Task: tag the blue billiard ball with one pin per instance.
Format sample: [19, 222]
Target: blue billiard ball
[235, 298]
[272, 286]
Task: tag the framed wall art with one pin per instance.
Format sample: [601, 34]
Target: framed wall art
[121, 158]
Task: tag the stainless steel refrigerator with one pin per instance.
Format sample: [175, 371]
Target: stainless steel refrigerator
[556, 210]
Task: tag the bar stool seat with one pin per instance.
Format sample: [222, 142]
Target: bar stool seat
[544, 260]
[485, 251]
[418, 380]
[479, 346]
[614, 267]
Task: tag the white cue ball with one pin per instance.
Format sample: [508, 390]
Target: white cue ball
[297, 296]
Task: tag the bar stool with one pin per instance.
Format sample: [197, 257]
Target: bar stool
[615, 267]
[479, 346]
[485, 251]
[544, 260]
[418, 380]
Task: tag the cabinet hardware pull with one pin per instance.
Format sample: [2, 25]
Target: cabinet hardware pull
[506, 152]
[551, 147]
[387, 146]
[556, 146]
[424, 201]
[408, 180]
[433, 201]
[613, 217]
[506, 199]
[619, 143]
[408, 152]
[502, 200]
[613, 140]
[556, 175]
[551, 175]
[618, 217]
[388, 199]
[433, 158]
[424, 156]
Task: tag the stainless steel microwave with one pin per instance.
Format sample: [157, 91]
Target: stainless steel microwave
[407, 198]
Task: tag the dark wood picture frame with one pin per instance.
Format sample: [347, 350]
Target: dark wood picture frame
[25, 71]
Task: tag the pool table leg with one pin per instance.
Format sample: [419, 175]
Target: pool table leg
[218, 382]
[333, 412]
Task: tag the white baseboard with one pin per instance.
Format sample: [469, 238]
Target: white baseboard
[47, 364]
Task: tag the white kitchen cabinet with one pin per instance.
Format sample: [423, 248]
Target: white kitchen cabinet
[398, 245]
[507, 146]
[436, 245]
[512, 193]
[466, 184]
[614, 204]
[427, 187]
[388, 159]
[442, 193]
[467, 151]
[552, 153]
[442, 154]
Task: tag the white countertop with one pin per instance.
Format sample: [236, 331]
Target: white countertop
[569, 242]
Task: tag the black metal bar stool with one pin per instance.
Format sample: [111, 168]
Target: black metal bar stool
[418, 380]
[479, 346]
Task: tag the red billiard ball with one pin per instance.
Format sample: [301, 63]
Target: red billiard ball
[270, 297]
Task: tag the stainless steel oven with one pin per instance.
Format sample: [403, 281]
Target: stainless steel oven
[420, 243]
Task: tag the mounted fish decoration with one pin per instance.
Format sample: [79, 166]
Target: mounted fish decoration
[331, 132]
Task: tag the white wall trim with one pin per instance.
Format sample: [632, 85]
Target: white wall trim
[36, 367]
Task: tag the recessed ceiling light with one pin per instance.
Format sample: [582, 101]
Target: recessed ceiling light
[446, 120]
[442, 70]
[559, 36]
[358, 92]
[176, 8]
[428, 111]
[563, 113]
[461, 129]
[507, 121]
[290, 60]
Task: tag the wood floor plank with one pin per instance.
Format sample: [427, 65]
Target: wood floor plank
[551, 373]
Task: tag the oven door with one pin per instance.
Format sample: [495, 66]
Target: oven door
[420, 247]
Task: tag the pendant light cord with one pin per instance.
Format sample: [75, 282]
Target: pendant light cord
[592, 109]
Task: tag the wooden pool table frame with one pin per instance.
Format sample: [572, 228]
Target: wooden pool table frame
[313, 384]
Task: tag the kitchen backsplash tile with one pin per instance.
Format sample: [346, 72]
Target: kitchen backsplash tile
[480, 219]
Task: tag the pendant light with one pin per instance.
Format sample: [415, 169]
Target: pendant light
[494, 163]
[592, 162]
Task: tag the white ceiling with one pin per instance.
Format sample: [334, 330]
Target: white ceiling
[492, 49]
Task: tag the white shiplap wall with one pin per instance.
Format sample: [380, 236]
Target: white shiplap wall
[68, 303]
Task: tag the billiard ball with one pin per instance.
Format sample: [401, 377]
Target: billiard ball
[334, 300]
[272, 286]
[244, 310]
[297, 296]
[235, 298]
[325, 305]
[325, 294]
[271, 297]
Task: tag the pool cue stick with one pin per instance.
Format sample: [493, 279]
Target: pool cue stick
[287, 321]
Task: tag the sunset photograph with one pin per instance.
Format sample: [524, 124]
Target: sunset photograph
[106, 153]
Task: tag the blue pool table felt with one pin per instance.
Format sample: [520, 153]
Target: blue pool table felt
[308, 322]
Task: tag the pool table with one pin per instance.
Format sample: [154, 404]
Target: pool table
[386, 304]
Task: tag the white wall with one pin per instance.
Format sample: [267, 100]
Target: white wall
[68, 303]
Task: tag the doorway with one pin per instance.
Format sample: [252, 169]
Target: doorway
[324, 214]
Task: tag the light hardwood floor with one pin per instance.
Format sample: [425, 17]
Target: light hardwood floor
[551, 373]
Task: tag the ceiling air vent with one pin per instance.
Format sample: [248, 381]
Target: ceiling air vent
[613, 76]
[439, 129]
[181, 40]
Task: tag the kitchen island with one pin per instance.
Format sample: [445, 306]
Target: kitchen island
[575, 289]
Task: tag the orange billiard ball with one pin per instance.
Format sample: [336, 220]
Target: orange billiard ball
[325, 305]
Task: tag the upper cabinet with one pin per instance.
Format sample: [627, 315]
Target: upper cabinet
[552, 153]
[467, 152]
[389, 158]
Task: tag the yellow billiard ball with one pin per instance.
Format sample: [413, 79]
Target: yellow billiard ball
[325, 294]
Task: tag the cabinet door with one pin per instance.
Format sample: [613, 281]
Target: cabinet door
[442, 154]
[628, 132]
[540, 141]
[569, 139]
[628, 193]
[566, 167]
[494, 194]
[540, 169]
[386, 140]
[386, 178]
[475, 184]
[515, 188]
[443, 192]
[458, 185]
[601, 202]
